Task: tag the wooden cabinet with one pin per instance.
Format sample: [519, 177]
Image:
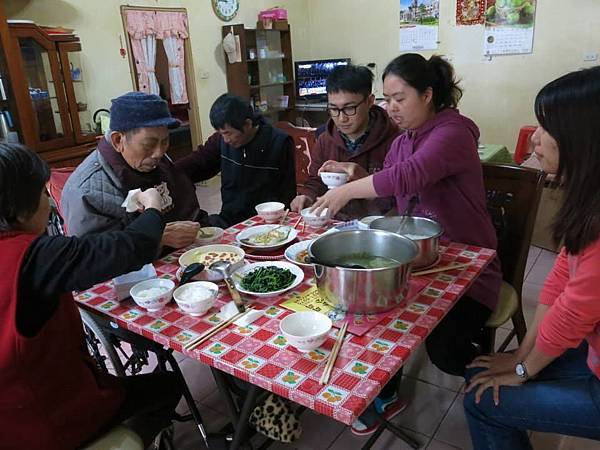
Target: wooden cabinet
[47, 83]
[265, 74]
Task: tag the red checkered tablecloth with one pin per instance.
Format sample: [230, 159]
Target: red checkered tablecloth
[259, 354]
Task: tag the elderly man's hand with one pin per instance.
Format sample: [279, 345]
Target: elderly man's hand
[180, 234]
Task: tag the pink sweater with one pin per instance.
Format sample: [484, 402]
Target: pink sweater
[572, 290]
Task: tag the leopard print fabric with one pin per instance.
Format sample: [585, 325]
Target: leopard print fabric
[276, 419]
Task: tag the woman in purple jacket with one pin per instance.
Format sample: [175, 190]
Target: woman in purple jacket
[436, 160]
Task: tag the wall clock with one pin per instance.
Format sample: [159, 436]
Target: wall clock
[226, 9]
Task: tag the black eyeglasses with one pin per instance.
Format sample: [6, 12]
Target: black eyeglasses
[347, 110]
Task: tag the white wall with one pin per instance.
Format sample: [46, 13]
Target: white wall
[499, 93]
[98, 23]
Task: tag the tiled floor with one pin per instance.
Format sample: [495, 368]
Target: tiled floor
[434, 416]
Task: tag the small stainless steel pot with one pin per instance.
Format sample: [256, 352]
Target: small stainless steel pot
[362, 290]
[423, 232]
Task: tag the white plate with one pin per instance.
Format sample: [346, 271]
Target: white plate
[258, 229]
[209, 275]
[293, 250]
[240, 273]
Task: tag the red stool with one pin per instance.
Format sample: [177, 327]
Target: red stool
[522, 151]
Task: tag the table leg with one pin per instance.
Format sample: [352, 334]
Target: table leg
[239, 419]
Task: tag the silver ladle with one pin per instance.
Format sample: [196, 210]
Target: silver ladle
[223, 267]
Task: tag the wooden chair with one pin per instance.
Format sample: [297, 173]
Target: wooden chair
[304, 140]
[513, 196]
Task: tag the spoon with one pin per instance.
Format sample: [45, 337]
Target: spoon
[189, 272]
[223, 268]
[312, 260]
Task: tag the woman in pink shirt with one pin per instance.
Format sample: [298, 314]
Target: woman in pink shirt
[552, 382]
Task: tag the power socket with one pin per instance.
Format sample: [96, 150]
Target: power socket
[590, 56]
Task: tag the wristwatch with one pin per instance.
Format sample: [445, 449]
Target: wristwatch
[521, 370]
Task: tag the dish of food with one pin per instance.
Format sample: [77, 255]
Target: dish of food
[209, 254]
[207, 258]
[266, 236]
[268, 278]
[207, 235]
[298, 253]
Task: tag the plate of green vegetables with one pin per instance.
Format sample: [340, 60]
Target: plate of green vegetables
[267, 278]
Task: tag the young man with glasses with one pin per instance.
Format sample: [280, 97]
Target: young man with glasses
[358, 131]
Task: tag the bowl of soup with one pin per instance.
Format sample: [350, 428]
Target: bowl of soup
[362, 271]
[425, 233]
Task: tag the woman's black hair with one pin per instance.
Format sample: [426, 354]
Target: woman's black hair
[568, 108]
[231, 110]
[23, 175]
[420, 73]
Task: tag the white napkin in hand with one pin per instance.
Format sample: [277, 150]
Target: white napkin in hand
[130, 203]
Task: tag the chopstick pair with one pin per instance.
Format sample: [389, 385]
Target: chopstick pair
[440, 269]
[334, 354]
[214, 330]
[297, 222]
[285, 214]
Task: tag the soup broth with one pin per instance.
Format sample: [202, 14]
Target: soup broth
[366, 260]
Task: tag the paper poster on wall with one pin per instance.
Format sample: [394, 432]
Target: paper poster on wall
[509, 26]
[419, 22]
[470, 12]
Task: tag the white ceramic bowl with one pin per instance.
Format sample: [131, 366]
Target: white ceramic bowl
[334, 179]
[270, 212]
[240, 273]
[305, 330]
[206, 235]
[193, 255]
[315, 221]
[142, 293]
[197, 297]
[291, 253]
[259, 229]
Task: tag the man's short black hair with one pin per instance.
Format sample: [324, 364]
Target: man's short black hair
[23, 175]
[231, 110]
[352, 79]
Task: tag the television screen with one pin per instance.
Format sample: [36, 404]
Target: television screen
[311, 76]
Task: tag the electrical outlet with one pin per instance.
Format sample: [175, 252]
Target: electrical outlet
[590, 56]
[203, 75]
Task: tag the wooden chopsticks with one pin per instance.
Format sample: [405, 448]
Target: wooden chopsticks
[297, 222]
[334, 354]
[440, 269]
[214, 330]
[285, 214]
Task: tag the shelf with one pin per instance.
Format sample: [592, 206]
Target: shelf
[258, 86]
[266, 59]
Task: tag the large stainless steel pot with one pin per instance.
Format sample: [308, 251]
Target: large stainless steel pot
[423, 232]
[362, 290]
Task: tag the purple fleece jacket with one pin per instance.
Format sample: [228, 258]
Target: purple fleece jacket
[439, 162]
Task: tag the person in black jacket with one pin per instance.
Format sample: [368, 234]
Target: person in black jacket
[256, 161]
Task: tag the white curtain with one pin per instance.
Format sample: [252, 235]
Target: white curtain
[149, 49]
[175, 54]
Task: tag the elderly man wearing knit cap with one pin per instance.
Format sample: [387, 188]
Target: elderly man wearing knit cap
[132, 155]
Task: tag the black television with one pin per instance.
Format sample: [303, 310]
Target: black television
[311, 77]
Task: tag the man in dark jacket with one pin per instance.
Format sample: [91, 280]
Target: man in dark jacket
[256, 161]
[358, 131]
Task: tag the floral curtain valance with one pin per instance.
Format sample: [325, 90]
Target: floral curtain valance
[144, 27]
